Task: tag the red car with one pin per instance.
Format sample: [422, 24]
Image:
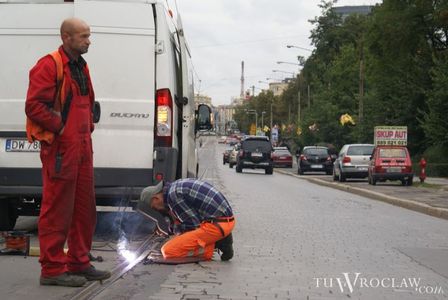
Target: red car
[281, 157]
[390, 163]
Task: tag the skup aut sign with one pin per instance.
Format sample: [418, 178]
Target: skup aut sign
[391, 135]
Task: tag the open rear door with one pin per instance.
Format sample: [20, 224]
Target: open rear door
[189, 151]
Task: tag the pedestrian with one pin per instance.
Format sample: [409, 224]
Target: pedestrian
[68, 210]
[203, 217]
[297, 154]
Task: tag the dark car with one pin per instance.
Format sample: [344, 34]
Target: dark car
[281, 157]
[225, 155]
[255, 153]
[315, 159]
[391, 163]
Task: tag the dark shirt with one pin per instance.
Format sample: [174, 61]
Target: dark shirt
[193, 201]
[77, 72]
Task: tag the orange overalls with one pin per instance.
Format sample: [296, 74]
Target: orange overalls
[68, 211]
[199, 242]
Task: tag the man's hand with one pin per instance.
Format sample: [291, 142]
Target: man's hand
[158, 232]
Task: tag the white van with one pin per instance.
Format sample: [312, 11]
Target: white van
[139, 63]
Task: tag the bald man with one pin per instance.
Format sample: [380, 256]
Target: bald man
[68, 210]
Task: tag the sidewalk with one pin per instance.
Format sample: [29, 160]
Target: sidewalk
[431, 200]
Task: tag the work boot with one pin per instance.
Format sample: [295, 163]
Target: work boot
[92, 274]
[65, 279]
[225, 245]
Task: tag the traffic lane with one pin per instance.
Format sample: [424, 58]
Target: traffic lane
[305, 231]
[435, 197]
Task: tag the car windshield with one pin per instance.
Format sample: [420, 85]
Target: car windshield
[389, 153]
[315, 151]
[360, 150]
[253, 145]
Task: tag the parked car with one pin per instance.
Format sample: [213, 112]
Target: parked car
[233, 155]
[281, 157]
[226, 154]
[390, 163]
[255, 153]
[315, 159]
[352, 162]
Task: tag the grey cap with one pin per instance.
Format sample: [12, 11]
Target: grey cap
[149, 192]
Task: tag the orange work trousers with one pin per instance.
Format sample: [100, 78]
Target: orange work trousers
[199, 242]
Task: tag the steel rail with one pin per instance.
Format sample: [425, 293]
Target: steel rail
[96, 287]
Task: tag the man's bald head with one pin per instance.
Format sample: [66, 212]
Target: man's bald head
[71, 25]
[75, 35]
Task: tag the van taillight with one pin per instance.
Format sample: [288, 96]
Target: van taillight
[346, 160]
[164, 118]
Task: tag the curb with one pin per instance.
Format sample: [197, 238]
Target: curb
[437, 212]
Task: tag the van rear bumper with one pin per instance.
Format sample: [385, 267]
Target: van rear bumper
[109, 182]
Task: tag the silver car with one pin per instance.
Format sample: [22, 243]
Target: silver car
[352, 162]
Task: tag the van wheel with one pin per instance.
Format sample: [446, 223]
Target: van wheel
[8, 215]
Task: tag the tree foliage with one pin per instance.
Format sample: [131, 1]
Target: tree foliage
[394, 62]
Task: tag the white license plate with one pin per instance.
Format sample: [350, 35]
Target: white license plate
[393, 170]
[362, 169]
[316, 166]
[21, 145]
[257, 154]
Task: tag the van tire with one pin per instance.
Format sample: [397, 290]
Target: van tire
[8, 215]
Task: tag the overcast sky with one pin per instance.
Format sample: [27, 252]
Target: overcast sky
[222, 33]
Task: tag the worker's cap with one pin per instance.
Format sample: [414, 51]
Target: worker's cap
[149, 192]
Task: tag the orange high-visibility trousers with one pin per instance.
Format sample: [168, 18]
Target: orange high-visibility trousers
[199, 242]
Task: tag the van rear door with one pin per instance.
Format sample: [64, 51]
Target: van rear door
[122, 66]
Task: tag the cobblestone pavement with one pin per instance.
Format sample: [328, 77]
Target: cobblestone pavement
[292, 235]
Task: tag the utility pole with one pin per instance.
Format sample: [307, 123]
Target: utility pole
[289, 113]
[309, 97]
[361, 82]
[271, 115]
[298, 109]
[253, 90]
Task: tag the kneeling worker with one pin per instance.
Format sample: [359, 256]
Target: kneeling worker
[203, 216]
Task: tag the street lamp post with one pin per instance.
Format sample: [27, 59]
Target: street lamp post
[262, 120]
[293, 46]
[287, 72]
[253, 111]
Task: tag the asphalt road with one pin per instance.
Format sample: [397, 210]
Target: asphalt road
[293, 240]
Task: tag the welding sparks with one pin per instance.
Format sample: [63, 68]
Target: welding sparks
[124, 252]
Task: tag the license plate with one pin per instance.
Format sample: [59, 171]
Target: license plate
[393, 170]
[21, 145]
[316, 166]
[257, 154]
[362, 169]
